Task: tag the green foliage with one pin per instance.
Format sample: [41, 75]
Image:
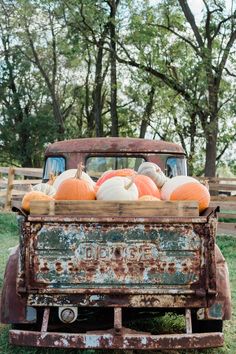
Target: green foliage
[48, 75]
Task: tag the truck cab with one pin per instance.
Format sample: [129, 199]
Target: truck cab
[80, 281]
[101, 154]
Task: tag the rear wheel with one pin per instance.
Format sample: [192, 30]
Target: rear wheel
[205, 326]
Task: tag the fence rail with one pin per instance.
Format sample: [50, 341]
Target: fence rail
[15, 181]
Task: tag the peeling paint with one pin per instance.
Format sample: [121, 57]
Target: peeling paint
[137, 340]
[82, 255]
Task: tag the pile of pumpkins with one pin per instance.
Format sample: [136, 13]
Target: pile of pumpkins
[149, 183]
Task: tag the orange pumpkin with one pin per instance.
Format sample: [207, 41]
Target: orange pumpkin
[33, 195]
[186, 188]
[75, 188]
[124, 172]
[192, 191]
[146, 186]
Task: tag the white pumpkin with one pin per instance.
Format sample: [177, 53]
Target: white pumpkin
[71, 174]
[45, 188]
[118, 188]
[153, 171]
[172, 183]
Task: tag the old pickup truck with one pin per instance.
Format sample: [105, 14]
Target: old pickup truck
[87, 281]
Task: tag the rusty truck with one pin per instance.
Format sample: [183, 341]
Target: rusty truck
[81, 281]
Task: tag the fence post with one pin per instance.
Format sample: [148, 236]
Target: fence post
[11, 175]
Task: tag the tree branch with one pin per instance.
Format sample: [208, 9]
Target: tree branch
[226, 101]
[225, 147]
[179, 36]
[54, 55]
[222, 22]
[229, 73]
[167, 80]
[191, 20]
[225, 55]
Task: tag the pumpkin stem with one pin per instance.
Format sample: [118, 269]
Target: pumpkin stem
[52, 178]
[79, 171]
[131, 181]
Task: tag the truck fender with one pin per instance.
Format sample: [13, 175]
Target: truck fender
[223, 284]
[12, 306]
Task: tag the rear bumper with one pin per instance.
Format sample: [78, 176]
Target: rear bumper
[125, 339]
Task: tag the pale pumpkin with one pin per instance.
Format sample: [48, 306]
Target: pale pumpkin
[186, 188]
[46, 188]
[75, 188]
[71, 173]
[146, 186]
[153, 171]
[118, 188]
[33, 195]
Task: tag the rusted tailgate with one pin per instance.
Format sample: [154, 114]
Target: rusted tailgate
[137, 256]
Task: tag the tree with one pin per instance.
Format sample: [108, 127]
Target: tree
[21, 135]
[44, 58]
[209, 43]
[97, 68]
[88, 26]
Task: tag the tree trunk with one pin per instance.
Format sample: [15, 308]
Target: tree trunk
[211, 150]
[147, 113]
[114, 116]
[193, 129]
[97, 94]
[58, 117]
[88, 111]
[211, 128]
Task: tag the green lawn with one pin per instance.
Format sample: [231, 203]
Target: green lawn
[9, 238]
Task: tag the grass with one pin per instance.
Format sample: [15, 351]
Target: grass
[9, 238]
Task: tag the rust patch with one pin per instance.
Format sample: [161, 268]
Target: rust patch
[114, 146]
[124, 339]
[86, 255]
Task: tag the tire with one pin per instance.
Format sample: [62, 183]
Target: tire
[206, 326]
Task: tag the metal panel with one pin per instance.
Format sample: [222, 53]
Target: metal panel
[111, 340]
[114, 146]
[165, 300]
[104, 255]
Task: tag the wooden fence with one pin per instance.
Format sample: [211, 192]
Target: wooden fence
[14, 182]
[223, 194]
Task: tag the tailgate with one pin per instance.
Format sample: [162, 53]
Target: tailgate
[82, 255]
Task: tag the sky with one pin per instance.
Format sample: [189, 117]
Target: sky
[197, 6]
